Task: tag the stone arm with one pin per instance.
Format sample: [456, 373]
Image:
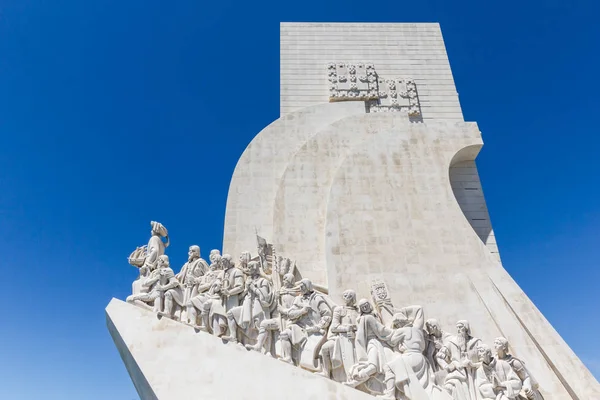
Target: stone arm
[512, 384]
[326, 315]
[173, 283]
[398, 337]
[182, 274]
[485, 387]
[523, 375]
[238, 285]
[295, 312]
[151, 281]
[383, 333]
[414, 314]
[265, 294]
[441, 361]
[205, 282]
[446, 363]
[336, 325]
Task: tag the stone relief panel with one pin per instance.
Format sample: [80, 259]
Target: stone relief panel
[360, 82]
[263, 304]
[352, 82]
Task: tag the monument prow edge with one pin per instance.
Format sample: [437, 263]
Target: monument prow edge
[171, 361]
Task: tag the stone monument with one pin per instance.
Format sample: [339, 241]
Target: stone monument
[367, 265]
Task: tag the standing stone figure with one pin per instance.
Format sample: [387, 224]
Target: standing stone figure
[200, 302]
[409, 374]
[156, 247]
[255, 308]
[530, 385]
[232, 283]
[191, 275]
[371, 335]
[338, 353]
[309, 315]
[435, 338]
[463, 350]
[282, 304]
[495, 379]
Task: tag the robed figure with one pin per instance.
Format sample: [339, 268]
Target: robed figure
[495, 379]
[244, 320]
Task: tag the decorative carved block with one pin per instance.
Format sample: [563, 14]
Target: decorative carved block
[360, 82]
[352, 82]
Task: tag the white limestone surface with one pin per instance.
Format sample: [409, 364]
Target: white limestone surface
[254, 183]
[397, 50]
[170, 361]
[370, 197]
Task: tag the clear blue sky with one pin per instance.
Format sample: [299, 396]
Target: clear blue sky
[115, 113]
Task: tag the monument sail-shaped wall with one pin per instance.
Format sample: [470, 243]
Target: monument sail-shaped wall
[377, 272]
[369, 176]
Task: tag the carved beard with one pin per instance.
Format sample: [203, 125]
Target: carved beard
[462, 339]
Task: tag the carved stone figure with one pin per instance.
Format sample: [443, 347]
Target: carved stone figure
[455, 376]
[371, 340]
[143, 288]
[435, 338]
[255, 308]
[409, 375]
[171, 290]
[310, 316]
[245, 258]
[157, 285]
[233, 283]
[495, 379]
[338, 353]
[138, 286]
[215, 257]
[282, 305]
[530, 385]
[156, 247]
[463, 349]
[191, 275]
[202, 302]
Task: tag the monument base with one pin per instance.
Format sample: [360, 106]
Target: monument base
[169, 360]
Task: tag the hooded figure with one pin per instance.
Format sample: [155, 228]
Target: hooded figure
[463, 350]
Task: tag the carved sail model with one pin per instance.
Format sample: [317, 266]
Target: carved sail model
[374, 195]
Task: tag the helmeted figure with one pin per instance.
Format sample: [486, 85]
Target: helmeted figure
[156, 247]
[463, 350]
[495, 379]
[530, 387]
[338, 353]
[371, 342]
[309, 316]
[244, 321]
